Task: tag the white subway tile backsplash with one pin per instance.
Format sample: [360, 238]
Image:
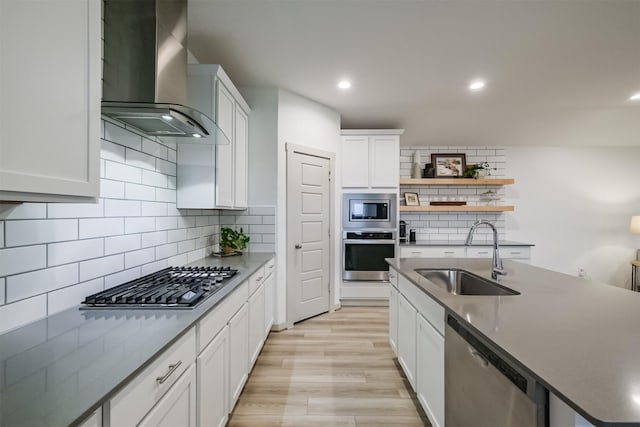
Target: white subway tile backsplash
[186, 246]
[23, 211]
[139, 257]
[122, 136]
[101, 267]
[171, 155]
[154, 179]
[75, 210]
[202, 221]
[248, 219]
[121, 277]
[154, 209]
[185, 222]
[139, 192]
[120, 172]
[155, 149]
[155, 238]
[64, 253]
[171, 182]
[178, 260]
[140, 160]
[32, 232]
[262, 210]
[73, 295]
[122, 243]
[2, 291]
[165, 167]
[152, 267]
[110, 189]
[22, 312]
[139, 225]
[111, 151]
[262, 247]
[176, 235]
[167, 223]
[114, 207]
[1, 234]
[166, 251]
[26, 285]
[22, 259]
[263, 229]
[101, 227]
[196, 255]
[165, 195]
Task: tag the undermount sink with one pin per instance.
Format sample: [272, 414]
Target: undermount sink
[461, 282]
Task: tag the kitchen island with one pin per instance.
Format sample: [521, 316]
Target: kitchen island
[57, 371]
[577, 338]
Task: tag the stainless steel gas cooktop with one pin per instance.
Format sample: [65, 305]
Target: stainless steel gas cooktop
[172, 287]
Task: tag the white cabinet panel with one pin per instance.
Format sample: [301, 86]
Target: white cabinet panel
[256, 324]
[384, 161]
[50, 117]
[432, 252]
[269, 302]
[241, 153]
[238, 354]
[355, 161]
[430, 375]
[393, 319]
[213, 385]
[93, 420]
[407, 339]
[225, 112]
[177, 407]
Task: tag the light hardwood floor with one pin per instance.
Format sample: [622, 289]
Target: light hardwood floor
[336, 369]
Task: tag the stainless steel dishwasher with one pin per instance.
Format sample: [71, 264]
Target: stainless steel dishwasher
[483, 389]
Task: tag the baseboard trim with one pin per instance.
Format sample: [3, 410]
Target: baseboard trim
[277, 327]
[364, 302]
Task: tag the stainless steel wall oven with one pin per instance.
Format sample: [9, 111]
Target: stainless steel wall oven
[364, 253]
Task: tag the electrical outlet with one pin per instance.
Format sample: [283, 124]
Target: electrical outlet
[581, 273]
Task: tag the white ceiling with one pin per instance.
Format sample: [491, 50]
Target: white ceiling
[558, 72]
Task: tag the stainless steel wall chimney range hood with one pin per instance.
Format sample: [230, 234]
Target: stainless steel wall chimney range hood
[145, 71]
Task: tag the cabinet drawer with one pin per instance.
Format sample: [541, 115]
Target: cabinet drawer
[424, 304]
[481, 252]
[433, 252]
[269, 267]
[137, 398]
[256, 279]
[217, 318]
[515, 252]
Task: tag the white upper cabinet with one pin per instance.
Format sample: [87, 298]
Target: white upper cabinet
[50, 89]
[370, 158]
[215, 176]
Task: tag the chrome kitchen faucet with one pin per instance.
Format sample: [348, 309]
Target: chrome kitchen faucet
[496, 263]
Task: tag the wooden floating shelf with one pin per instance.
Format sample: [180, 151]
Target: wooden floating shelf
[466, 208]
[456, 181]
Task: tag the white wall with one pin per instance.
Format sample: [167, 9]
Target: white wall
[304, 122]
[575, 205]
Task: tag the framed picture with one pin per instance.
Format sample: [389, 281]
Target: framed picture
[449, 165]
[411, 199]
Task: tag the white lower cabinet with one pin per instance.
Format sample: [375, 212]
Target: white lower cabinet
[213, 385]
[407, 339]
[256, 324]
[238, 354]
[131, 404]
[519, 253]
[393, 319]
[430, 375]
[178, 406]
[269, 303]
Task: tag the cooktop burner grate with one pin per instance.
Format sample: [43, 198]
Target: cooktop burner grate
[172, 287]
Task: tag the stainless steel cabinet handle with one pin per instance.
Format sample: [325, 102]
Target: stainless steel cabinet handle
[172, 369]
[479, 357]
[515, 253]
[449, 252]
[298, 246]
[483, 252]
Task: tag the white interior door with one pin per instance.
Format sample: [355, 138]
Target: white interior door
[308, 234]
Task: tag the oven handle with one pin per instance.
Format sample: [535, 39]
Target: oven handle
[372, 242]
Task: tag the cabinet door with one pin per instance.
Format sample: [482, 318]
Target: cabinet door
[355, 161]
[430, 371]
[241, 141]
[213, 386]
[407, 339]
[225, 112]
[256, 324]
[178, 406]
[393, 319]
[269, 303]
[50, 115]
[238, 354]
[384, 161]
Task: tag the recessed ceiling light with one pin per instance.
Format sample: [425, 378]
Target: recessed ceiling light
[344, 84]
[167, 117]
[197, 135]
[477, 85]
[635, 97]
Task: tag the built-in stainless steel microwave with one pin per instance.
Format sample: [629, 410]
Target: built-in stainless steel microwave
[368, 210]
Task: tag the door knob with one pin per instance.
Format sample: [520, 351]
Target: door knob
[298, 246]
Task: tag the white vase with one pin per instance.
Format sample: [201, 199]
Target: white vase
[416, 171]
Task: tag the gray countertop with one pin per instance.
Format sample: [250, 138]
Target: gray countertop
[578, 338]
[56, 371]
[461, 243]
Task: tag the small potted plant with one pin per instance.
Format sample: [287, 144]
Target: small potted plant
[232, 240]
[477, 170]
